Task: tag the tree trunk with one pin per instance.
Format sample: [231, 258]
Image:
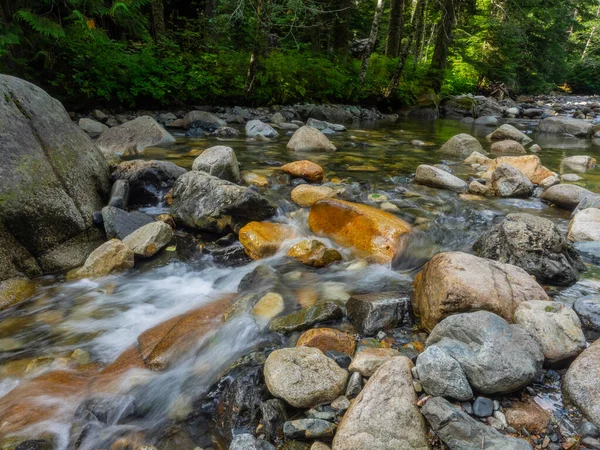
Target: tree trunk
[589, 41]
[158, 18]
[341, 26]
[394, 35]
[435, 74]
[259, 49]
[420, 25]
[371, 42]
[412, 31]
[210, 9]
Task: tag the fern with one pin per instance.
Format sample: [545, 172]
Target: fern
[42, 25]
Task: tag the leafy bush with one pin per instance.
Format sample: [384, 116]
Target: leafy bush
[584, 77]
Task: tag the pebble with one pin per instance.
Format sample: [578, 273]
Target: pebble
[496, 405]
[483, 407]
[588, 429]
[341, 404]
[501, 417]
[417, 386]
[340, 358]
[321, 413]
[495, 423]
[308, 429]
[467, 407]
[355, 385]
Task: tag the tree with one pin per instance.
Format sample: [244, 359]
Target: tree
[371, 42]
[158, 18]
[395, 27]
[341, 25]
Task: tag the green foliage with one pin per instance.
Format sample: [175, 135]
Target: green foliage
[584, 77]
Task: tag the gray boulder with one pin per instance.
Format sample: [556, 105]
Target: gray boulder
[459, 431]
[306, 139]
[256, 128]
[208, 203]
[226, 132]
[203, 120]
[441, 375]
[333, 114]
[149, 239]
[120, 224]
[119, 194]
[496, 357]
[506, 131]
[438, 178]
[581, 385]
[565, 196]
[133, 137]
[487, 121]
[461, 146]
[149, 180]
[566, 125]
[588, 310]
[52, 179]
[92, 127]
[508, 181]
[322, 125]
[220, 162]
[373, 312]
[588, 201]
[533, 244]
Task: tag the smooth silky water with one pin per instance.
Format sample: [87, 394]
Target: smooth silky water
[104, 317]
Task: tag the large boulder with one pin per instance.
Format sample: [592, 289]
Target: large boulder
[203, 120]
[335, 114]
[529, 165]
[555, 326]
[219, 161]
[566, 196]
[256, 128]
[149, 239]
[441, 375]
[438, 178]
[461, 146]
[455, 282]
[506, 131]
[306, 139]
[304, 376]
[585, 226]
[566, 125]
[535, 245]
[496, 357]
[370, 231]
[92, 127]
[581, 383]
[374, 312]
[112, 256]
[384, 416]
[459, 431]
[133, 137]
[120, 224]
[263, 239]
[510, 182]
[508, 146]
[52, 179]
[208, 203]
[149, 180]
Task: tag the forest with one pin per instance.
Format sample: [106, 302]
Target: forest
[149, 53]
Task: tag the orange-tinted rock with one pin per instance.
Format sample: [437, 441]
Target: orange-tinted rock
[529, 165]
[15, 290]
[528, 415]
[314, 253]
[370, 231]
[328, 339]
[304, 169]
[263, 239]
[306, 195]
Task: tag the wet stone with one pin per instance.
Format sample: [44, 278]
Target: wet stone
[341, 359]
[373, 312]
[483, 407]
[308, 429]
[249, 442]
[273, 417]
[588, 429]
[307, 317]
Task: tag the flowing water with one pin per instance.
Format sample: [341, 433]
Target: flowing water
[101, 319]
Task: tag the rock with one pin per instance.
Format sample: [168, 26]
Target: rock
[496, 357]
[341, 404]
[508, 146]
[533, 244]
[438, 178]
[454, 282]
[371, 313]
[323, 125]
[133, 137]
[355, 385]
[149, 180]
[528, 415]
[203, 120]
[476, 188]
[585, 226]
[461, 432]
[120, 224]
[461, 146]
[306, 195]
[370, 231]
[304, 169]
[588, 429]
[507, 131]
[399, 425]
[555, 326]
[580, 384]
[483, 407]
[565, 125]
[441, 375]
[308, 429]
[487, 121]
[255, 179]
[327, 339]
[570, 178]
[368, 360]
[477, 158]
[248, 442]
[307, 139]
[313, 253]
[52, 180]
[256, 128]
[119, 194]
[550, 181]
[510, 182]
[588, 310]
[578, 162]
[274, 415]
[304, 376]
[269, 306]
[220, 162]
[565, 196]
[149, 239]
[307, 317]
[319, 446]
[263, 239]
[226, 132]
[535, 148]
[529, 165]
[335, 114]
[208, 203]
[91, 127]
[588, 201]
[15, 290]
[341, 359]
[111, 257]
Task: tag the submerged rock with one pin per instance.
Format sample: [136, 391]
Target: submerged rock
[307, 317]
[508, 146]
[328, 339]
[438, 178]
[535, 245]
[256, 128]
[219, 161]
[133, 137]
[508, 132]
[314, 253]
[307, 139]
[149, 239]
[306, 195]
[565, 196]
[304, 169]
[370, 231]
[304, 376]
[580, 384]
[461, 146]
[384, 416]
[566, 125]
[374, 312]
[471, 283]
[208, 203]
[459, 431]
[263, 239]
